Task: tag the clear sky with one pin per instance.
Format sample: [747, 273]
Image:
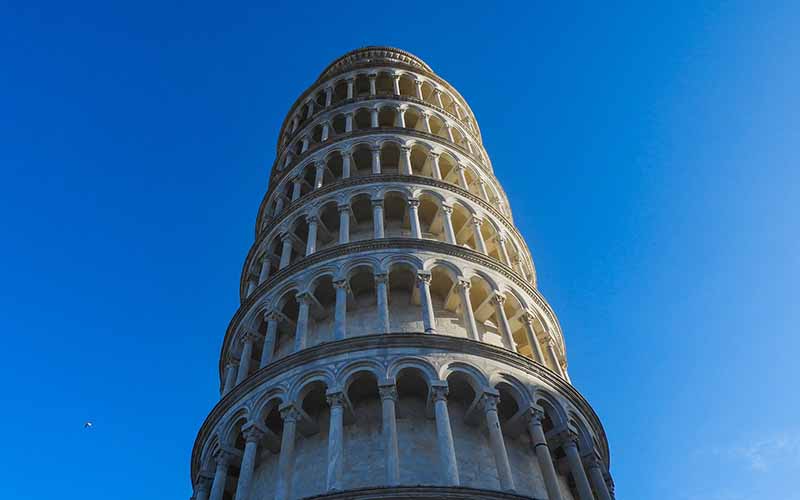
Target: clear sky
[649, 153]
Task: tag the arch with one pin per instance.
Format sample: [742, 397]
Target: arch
[302, 385]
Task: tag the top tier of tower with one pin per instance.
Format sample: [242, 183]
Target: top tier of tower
[370, 74]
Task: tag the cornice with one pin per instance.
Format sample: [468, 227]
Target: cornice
[290, 210]
[423, 341]
[332, 109]
[419, 493]
[389, 244]
[277, 175]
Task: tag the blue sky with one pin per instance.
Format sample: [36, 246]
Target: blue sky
[649, 153]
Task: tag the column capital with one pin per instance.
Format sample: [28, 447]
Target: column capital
[377, 202]
[375, 148]
[285, 236]
[434, 154]
[447, 209]
[413, 203]
[404, 148]
[489, 401]
[498, 299]
[536, 415]
[388, 392]
[342, 283]
[233, 361]
[289, 413]
[592, 461]
[343, 208]
[272, 315]
[424, 277]
[464, 284]
[382, 278]
[567, 439]
[439, 392]
[528, 317]
[303, 298]
[249, 336]
[335, 399]
[476, 221]
[224, 457]
[311, 219]
[253, 432]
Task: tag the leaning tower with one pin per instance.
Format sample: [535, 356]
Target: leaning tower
[391, 340]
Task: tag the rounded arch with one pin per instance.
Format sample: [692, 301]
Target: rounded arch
[303, 384]
[428, 371]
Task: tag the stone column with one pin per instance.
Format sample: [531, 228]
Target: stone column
[413, 217]
[376, 159]
[253, 433]
[286, 458]
[348, 122]
[202, 487]
[504, 251]
[286, 251]
[419, 88]
[373, 118]
[505, 329]
[296, 183]
[462, 177]
[311, 243]
[328, 96]
[444, 435]
[396, 84]
[428, 319]
[335, 441]
[539, 443]
[247, 353]
[551, 351]
[405, 160]
[401, 118]
[426, 120]
[263, 275]
[449, 233]
[310, 109]
[533, 340]
[346, 155]
[381, 282]
[305, 145]
[344, 224]
[388, 399]
[269, 339]
[295, 123]
[279, 203]
[438, 94]
[476, 232]
[484, 192]
[230, 376]
[223, 459]
[449, 129]
[325, 132]
[303, 300]
[340, 313]
[466, 306]
[497, 443]
[372, 78]
[570, 446]
[350, 88]
[251, 285]
[319, 174]
[595, 467]
[435, 170]
[377, 218]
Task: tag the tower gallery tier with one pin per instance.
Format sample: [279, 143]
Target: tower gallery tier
[391, 340]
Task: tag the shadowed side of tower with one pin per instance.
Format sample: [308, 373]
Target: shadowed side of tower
[391, 341]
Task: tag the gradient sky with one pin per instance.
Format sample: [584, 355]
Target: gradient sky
[650, 153]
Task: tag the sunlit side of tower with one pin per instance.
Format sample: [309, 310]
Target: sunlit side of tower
[391, 340]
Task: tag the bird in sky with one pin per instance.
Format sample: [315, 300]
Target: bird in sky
[88, 425]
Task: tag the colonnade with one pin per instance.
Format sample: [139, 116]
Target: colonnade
[586, 469]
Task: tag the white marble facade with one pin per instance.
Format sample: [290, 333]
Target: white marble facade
[391, 340]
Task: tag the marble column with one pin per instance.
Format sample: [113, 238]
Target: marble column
[348, 122]
[396, 84]
[377, 218]
[286, 250]
[438, 95]
[283, 484]
[230, 376]
[301, 332]
[251, 285]
[447, 217]
[344, 224]
[202, 487]
[325, 132]
[335, 441]
[381, 283]
[328, 96]
[428, 318]
[350, 88]
[462, 177]
[346, 157]
[269, 339]
[401, 118]
[376, 160]
[413, 217]
[373, 117]
[253, 433]
[388, 395]
[505, 329]
[263, 275]
[570, 445]
[497, 443]
[466, 309]
[480, 245]
[426, 121]
[419, 88]
[444, 435]
[372, 90]
[405, 160]
[296, 185]
[223, 460]
[533, 340]
[551, 351]
[319, 174]
[484, 192]
[595, 467]
[340, 313]
[543, 457]
[504, 251]
[311, 240]
[436, 172]
[305, 144]
[247, 353]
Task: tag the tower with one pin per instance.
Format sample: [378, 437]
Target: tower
[391, 340]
